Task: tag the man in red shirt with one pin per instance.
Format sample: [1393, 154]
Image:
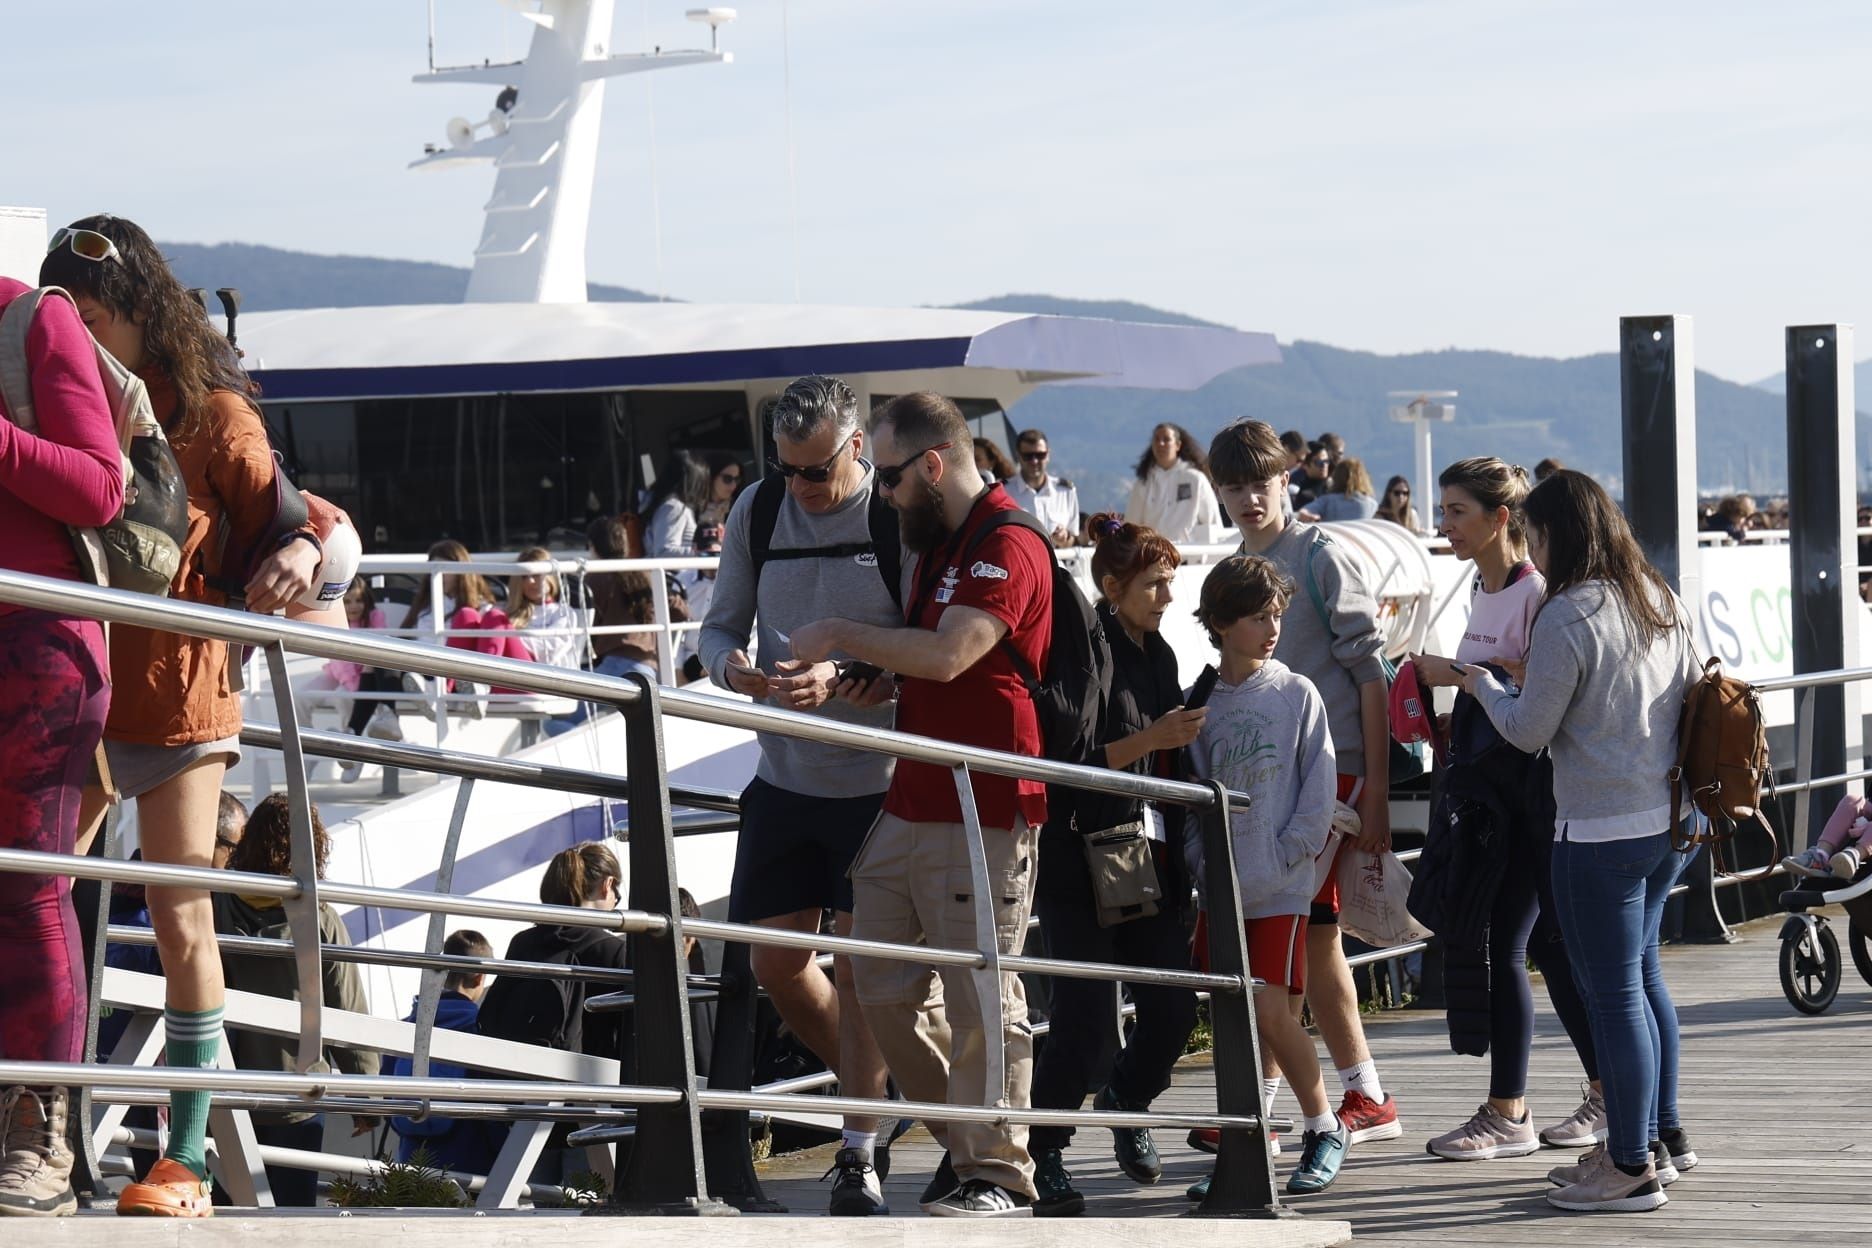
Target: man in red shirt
[912, 879]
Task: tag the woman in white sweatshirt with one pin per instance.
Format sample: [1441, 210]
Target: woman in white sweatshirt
[1173, 494]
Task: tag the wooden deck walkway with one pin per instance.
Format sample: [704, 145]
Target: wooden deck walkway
[1778, 1105]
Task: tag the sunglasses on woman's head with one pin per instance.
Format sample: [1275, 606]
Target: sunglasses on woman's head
[890, 477]
[85, 244]
[818, 474]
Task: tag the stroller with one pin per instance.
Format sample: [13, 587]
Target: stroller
[1811, 967]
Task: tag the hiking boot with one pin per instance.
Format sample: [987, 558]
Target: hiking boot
[1583, 1128]
[169, 1190]
[1486, 1136]
[1366, 1119]
[1209, 1139]
[942, 1184]
[1812, 862]
[1677, 1144]
[1132, 1146]
[1321, 1155]
[1567, 1176]
[978, 1198]
[1058, 1199]
[35, 1157]
[856, 1192]
[1846, 864]
[1661, 1162]
[1608, 1189]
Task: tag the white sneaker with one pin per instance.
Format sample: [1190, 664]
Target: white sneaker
[349, 772]
[1586, 1126]
[383, 724]
[978, 1198]
[1487, 1135]
[1846, 864]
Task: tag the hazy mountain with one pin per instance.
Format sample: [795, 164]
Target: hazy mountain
[1862, 377]
[1521, 408]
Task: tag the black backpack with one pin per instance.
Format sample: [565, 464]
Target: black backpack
[884, 545]
[1069, 696]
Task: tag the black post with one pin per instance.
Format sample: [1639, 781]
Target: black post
[726, 1149]
[1243, 1185]
[1657, 401]
[664, 1173]
[1823, 548]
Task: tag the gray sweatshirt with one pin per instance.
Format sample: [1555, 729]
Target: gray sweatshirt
[1267, 737]
[1606, 708]
[1339, 661]
[795, 592]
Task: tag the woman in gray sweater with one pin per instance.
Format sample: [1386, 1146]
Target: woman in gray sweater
[1609, 659]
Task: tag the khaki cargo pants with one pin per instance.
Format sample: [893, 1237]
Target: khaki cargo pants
[911, 884]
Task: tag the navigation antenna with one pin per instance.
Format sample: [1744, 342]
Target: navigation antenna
[542, 139]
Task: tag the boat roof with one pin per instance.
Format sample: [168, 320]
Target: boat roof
[503, 348]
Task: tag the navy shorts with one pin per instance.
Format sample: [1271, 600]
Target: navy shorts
[795, 851]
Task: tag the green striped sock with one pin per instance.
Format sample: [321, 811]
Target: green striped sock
[191, 1040]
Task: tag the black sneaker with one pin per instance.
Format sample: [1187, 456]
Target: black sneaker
[978, 1198]
[942, 1184]
[1677, 1144]
[1135, 1150]
[1057, 1197]
[856, 1192]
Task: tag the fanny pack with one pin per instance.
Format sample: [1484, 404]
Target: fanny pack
[1124, 873]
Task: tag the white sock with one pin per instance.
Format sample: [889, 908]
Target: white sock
[1363, 1078]
[864, 1141]
[1270, 1088]
[1327, 1121]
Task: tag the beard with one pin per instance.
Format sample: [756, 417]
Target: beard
[920, 518]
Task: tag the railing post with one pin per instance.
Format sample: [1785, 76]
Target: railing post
[987, 977]
[1657, 393]
[1824, 544]
[1243, 1185]
[665, 639]
[429, 996]
[664, 1173]
[302, 911]
[727, 1151]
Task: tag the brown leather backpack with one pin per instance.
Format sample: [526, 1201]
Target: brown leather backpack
[1722, 763]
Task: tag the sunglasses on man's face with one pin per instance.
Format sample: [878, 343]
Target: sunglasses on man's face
[818, 474]
[892, 476]
[1034, 457]
[85, 244]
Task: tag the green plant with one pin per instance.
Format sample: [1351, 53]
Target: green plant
[587, 1187]
[418, 1183]
[1202, 1036]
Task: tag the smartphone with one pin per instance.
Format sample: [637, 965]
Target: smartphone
[863, 673]
[1461, 669]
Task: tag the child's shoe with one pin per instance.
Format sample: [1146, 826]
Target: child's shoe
[1811, 862]
[1847, 862]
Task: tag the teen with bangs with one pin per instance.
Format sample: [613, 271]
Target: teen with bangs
[175, 716]
[1143, 729]
[1332, 638]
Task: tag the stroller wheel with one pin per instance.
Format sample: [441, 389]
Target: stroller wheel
[1810, 969]
[1861, 949]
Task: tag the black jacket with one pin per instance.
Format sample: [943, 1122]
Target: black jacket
[1144, 687]
[552, 1012]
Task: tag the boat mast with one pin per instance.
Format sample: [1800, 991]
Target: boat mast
[542, 139]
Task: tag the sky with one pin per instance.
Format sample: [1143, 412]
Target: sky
[1385, 176]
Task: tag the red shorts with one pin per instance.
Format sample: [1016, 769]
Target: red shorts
[1326, 901]
[1276, 950]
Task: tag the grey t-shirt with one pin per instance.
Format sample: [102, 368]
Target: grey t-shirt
[794, 592]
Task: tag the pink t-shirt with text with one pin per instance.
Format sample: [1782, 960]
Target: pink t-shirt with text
[1499, 623]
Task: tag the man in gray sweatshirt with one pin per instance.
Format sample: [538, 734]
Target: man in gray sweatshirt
[810, 805]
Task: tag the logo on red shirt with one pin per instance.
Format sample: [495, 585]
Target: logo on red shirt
[988, 572]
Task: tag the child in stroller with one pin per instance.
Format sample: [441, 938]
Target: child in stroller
[1845, 844]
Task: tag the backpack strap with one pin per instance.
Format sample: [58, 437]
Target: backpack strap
[1019, 518]
[15, 371]
[882, 520]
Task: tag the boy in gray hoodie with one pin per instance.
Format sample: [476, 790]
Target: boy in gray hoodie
[1266, 735]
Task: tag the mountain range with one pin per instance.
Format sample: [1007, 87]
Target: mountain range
[1522, 408]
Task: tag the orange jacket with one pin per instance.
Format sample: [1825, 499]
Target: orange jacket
[170, 689]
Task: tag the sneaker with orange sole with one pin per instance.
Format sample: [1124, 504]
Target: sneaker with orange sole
[170, 1190]
[1367, 1119]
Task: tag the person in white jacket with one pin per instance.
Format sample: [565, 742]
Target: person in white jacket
[1173, 494]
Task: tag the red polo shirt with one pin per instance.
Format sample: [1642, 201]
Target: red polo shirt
[1010, 576]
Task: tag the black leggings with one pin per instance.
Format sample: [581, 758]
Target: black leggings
[1521, 926]
[374, 680]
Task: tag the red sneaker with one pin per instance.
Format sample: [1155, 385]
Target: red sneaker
[1366, 1119]
[1209, 1139]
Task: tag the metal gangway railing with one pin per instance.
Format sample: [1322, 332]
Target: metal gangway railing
[675, 1162]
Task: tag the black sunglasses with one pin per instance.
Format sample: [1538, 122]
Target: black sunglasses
[818, 474]
[1400, 491]
[1034, 457]
[891, 476]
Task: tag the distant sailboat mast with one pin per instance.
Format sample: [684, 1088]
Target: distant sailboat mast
[542, 138]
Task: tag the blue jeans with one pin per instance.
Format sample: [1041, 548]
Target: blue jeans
[1611, 895]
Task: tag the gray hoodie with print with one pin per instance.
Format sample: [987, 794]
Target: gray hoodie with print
[1267, 737]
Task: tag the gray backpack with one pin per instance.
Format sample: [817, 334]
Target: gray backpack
[142, 548]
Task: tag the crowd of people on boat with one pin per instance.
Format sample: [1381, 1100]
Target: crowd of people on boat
[880, 575]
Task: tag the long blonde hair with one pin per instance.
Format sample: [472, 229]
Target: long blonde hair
[520, 607]
[468, 589]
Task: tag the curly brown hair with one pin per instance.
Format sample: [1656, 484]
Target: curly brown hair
[178, 337]
[266, 846]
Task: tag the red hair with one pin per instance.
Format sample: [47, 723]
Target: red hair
[1125, 550]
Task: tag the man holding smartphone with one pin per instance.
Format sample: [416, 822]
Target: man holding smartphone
[811, 534]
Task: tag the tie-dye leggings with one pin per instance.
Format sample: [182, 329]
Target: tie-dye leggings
[54, 695]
